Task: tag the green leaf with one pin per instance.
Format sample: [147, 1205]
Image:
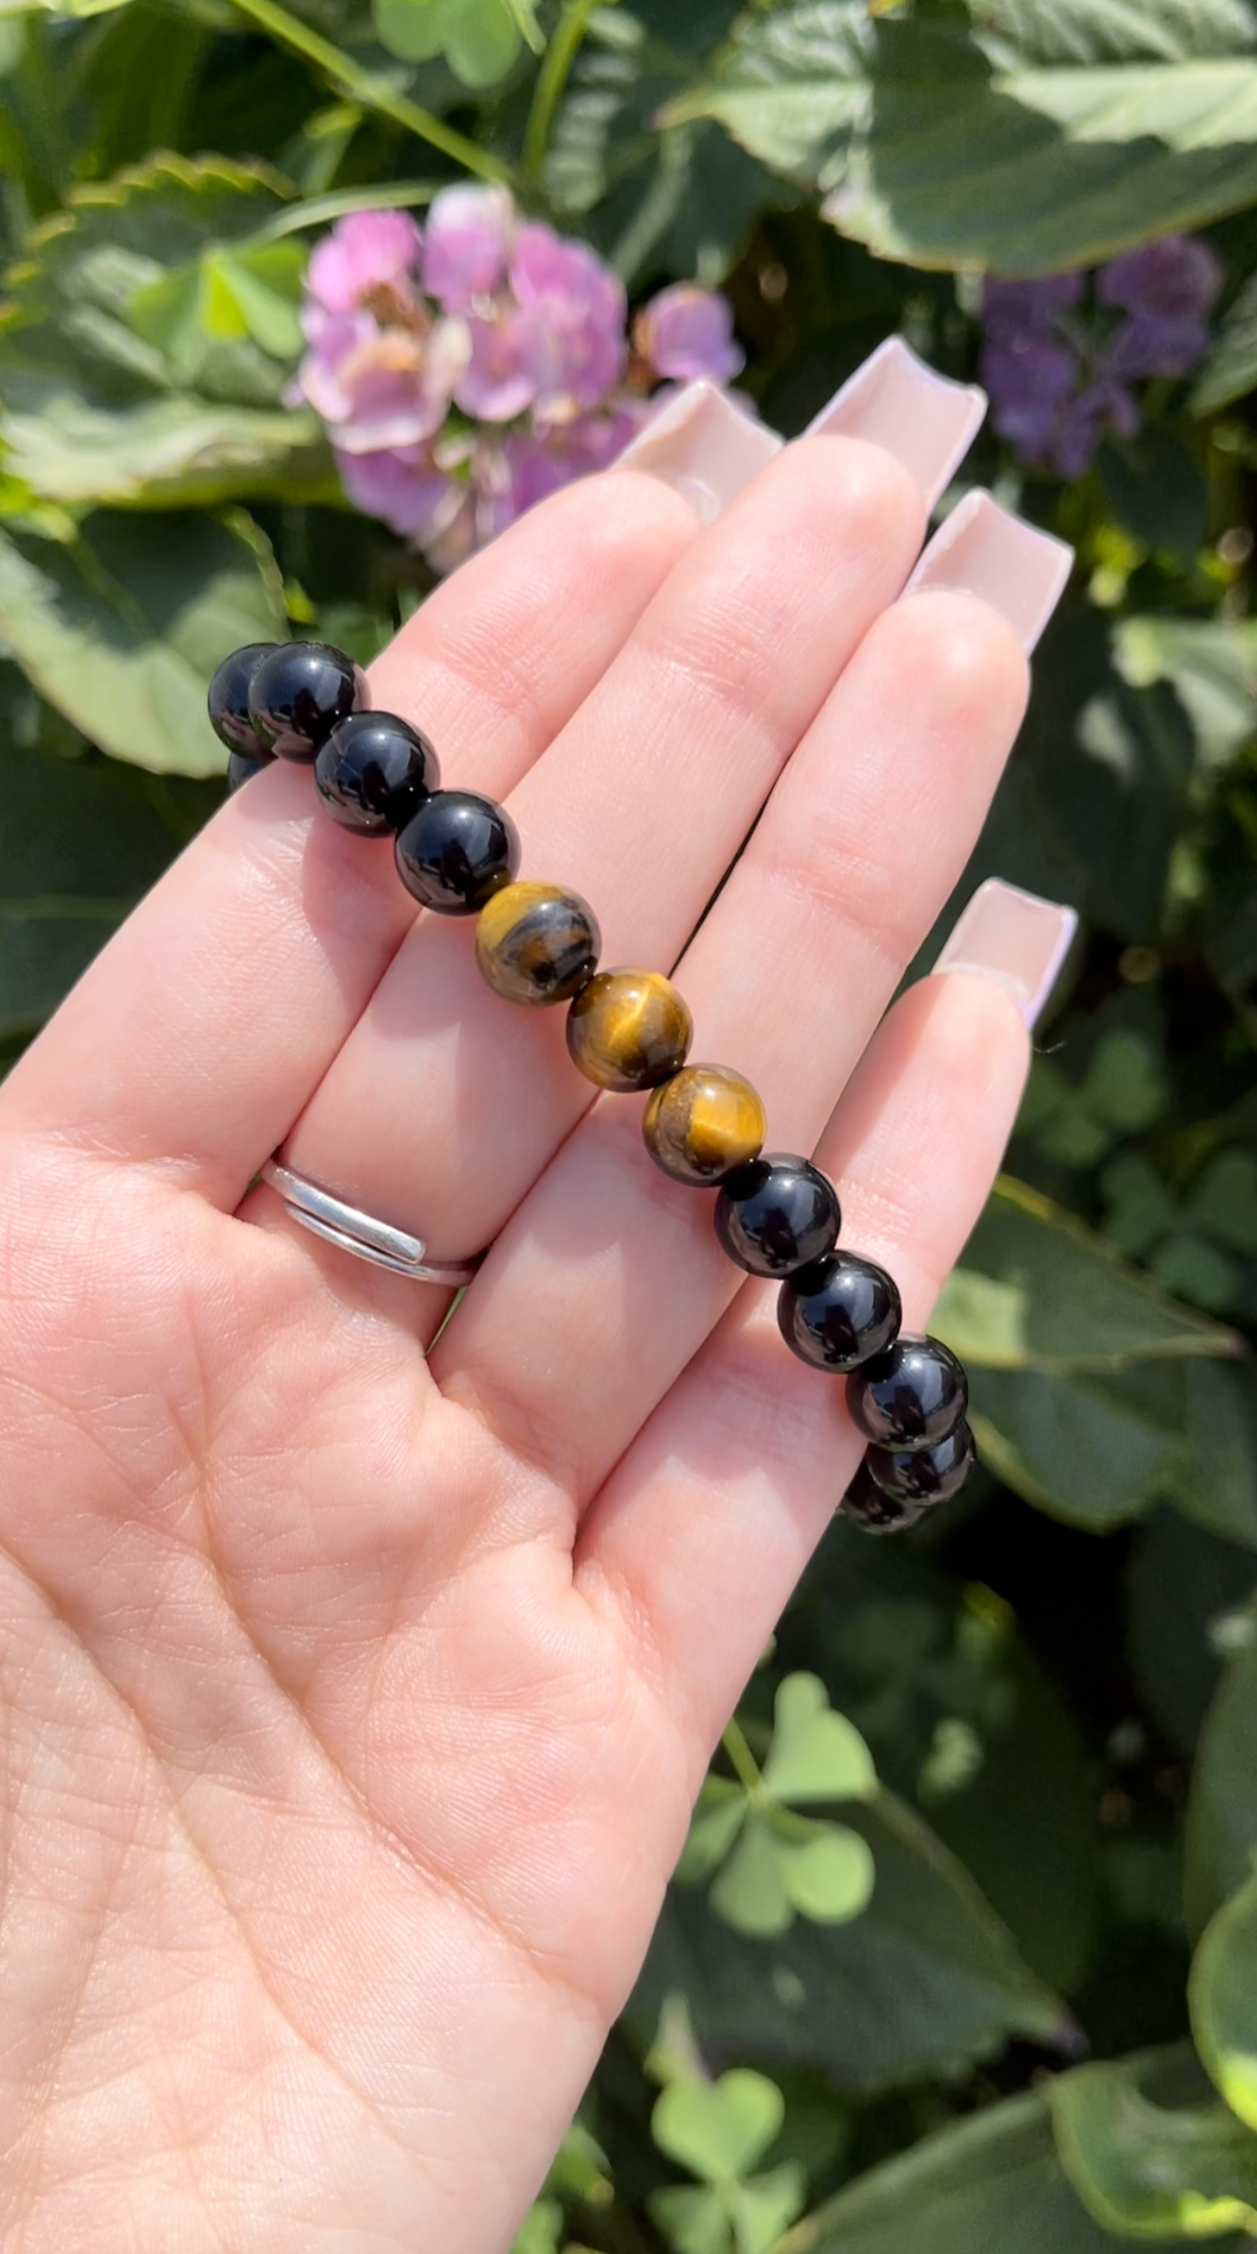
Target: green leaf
[1065, 1304]
[1216, 1482]
[1152, 2170]
[762, 2207]
[927, 1980]
[693, 2221]
[1230, 372]
[679, 201]
[715, 1824]
[1140, 1208]
[1223, 1200]
[750, 1892]
[542, 2232]
[414, 30]
[990, 2182]
[815, 1754]
[1224, 2011]
[998, 143]
[122, 630]
[1079, 1365]
[1126, 1082]
[1222, 1810]
[81, 842]
[139, 350]
[1210, 663]
[830, 1877]
[718, 2130]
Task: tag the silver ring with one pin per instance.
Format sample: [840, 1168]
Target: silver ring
[377, 1241]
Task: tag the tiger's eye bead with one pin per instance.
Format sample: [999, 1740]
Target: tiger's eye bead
[870, 1507]
[228, 702]
[911, 1396]
[537, 944]
[928, 1475]
[777, 1214]
[457, 851]
[300, 693]
[704, 1123]
[374, 772]
[839, 1313]
[629, 1029]
[241, 769]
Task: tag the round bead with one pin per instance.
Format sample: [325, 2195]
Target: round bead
[777, 1214]
[300, 693]
[374, 772]
[911, 1396]
[228, 700]
[629, 1029]
[241, 769]
[457, 851]
[704, 1123]
[928, 1475]
[839, 1313]
[537, 944]
[870, 1507]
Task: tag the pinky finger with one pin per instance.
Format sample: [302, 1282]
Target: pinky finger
[701, 1533]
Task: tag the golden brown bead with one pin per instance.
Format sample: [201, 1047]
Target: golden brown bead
[704, 1122]
[629, 1029]
[536, 943]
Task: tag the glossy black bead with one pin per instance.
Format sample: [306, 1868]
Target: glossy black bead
[870, 1507]
[928, 1475]
[777, 1214]
[840, 1312]
[374, 772]
[910, 1397]
[241, 769]
[457, 851]
[228, 700]
[300, 693]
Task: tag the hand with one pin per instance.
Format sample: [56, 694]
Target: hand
[355, 1702]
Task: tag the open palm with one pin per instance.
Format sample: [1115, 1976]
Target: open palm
[354, 1700]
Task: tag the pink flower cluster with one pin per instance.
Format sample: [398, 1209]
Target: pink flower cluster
[468, 368]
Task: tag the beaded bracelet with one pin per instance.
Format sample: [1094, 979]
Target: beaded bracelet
[777, 1216]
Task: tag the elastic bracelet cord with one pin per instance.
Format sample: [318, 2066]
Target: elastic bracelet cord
[777, 1216]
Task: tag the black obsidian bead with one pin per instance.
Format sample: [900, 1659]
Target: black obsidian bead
[457, 851]
[228, 701]
[928, 1475]
[300, 693]
[374, 772]
[839, 1313]
[241, 769]
[910, 1397]
[777, 1214]
[870, 1507]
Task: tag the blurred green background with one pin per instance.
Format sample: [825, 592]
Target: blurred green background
[963, 1950]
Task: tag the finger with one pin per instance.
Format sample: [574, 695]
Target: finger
[705, 1526]
[855, 857]
[641, 803]
[198, 1034]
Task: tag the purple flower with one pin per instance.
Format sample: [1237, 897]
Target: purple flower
[466, 372]
[1018, 309]
[367, 252]
[1060, 372]
[508, 359]
[390, 388]
[469, 237]
[687, 332]
[402, 486]
[582, 309]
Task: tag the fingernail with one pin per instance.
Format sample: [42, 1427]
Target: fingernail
[705, 446]
[1015, 938]
[981, 550]
[895, 401]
